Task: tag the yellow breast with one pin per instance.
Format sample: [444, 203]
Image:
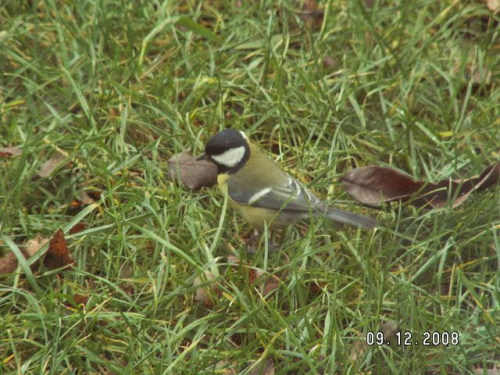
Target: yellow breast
[255, 216]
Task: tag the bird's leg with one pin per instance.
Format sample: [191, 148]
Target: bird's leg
[252, 241]
[275, 238]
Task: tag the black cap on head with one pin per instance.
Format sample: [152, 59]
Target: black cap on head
[223, 141]
[228, 149]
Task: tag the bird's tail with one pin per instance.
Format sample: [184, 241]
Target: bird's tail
[350, 218]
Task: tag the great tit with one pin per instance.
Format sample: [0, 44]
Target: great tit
[261, 190]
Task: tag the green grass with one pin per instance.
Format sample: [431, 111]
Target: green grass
[122, 86]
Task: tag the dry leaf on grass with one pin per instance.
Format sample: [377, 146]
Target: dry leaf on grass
[78, 300]
[375, 185]
[8, 152]
[8, 263]
[85, 198]
[270, 284]
[89, 197]
[203, 293]
[33, 246]
[79, 227]
[195, 174]
[57, 255]
[481, 75]
[51, 165]
[311, 15]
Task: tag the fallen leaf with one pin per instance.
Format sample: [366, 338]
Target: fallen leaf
[77, 228]
[57, 255]
[81, 299]
[271, 283]
[85, 198]
[374, 185]
[89, 197]
[194, 174]
[481, 75]
[51, 165]
[489, 177]
[9, 262]
[233, 260]
[8, 152]
[33, 246]
[78, 301]
[202, 293]
[311, 15]
[253, 273]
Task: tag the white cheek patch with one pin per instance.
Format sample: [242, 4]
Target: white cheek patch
[254, 198]
[230, 158]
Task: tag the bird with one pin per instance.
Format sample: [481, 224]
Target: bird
[261, 190]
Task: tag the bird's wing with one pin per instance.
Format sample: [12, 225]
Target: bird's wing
[291, 196]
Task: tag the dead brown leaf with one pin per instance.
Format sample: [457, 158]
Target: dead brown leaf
[33, 246]
[270, 284]
[57, 255]
[202, 293]
[195, 174]
[85, 198]
[311, 15]
[51, 165]
[481, 75]
[77, 228]
[8, 152]
[81, 299]
[374, 185]
[89, 197]
[78, 300]
[8, 263]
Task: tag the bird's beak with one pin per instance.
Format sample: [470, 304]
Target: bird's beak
[202, 157]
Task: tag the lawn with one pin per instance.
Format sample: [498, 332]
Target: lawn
[165, 280]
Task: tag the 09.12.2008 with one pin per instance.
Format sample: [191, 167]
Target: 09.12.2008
[408, 338]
